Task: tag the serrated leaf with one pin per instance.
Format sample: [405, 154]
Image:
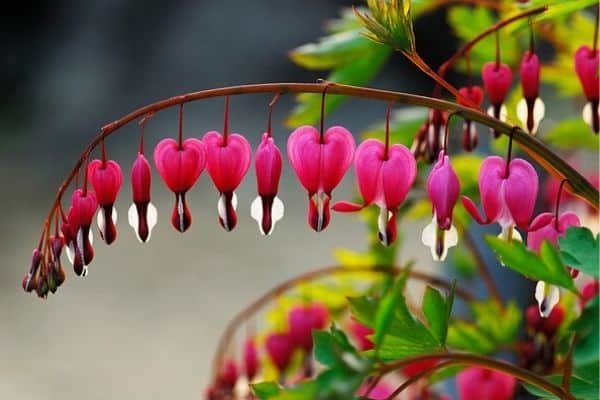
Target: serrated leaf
[580, 250]
[572, 134]
[547, 267]
[386, 309]
[388, 22]
[463, 335]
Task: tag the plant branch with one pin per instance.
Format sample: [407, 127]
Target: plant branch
[533, 146]
[419, 376]
[522, 374]
[267, 297]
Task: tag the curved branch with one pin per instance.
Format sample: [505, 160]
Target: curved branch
[522, 374]
[533, 146]
[268, 296]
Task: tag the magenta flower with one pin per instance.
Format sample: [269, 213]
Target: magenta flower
[530, 108]
[547, 226]
[497, 79]
[228, 160]
[267, 208]
[142, 214]
[251, 360]
[106, 178]
[508, 195]
[470, 96]
[443, 188]
[587, 62]
[180, 165]
[360, 334]
[30, 282]
[320, 162]
[302, 320]
[280, 349]
[381, 391]
[384, 176]
[81, 213]
[478, 383]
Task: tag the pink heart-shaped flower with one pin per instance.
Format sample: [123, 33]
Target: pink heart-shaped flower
[228, 160]
[320, 164]
[106, 178]
[267, 208]
[587, 62]
[496, 80]
[142, 214]
[530, 75]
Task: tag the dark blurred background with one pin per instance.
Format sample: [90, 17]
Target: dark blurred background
[144, 323]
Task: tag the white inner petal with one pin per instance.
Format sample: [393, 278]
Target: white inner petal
[382, 221]
[539, 110]
[151, 219]
[132, 217]
[100, 221]
[180, 212]
[256, 212]
[428, 237]
[70, 252]
[547, 296]
[221, 208]
[587, 114]
[277, 211]
[522, 112]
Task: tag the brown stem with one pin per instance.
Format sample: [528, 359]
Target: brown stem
[483, 362]
[268, 296]
[552, 162]
[568, 366]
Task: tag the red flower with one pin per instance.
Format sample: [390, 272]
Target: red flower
[106, 178]
[530, 108]
[587, 62]
[497, 79]
[142, 214]
[251, 362]
[478, 383]
[302, 320]
[180, 166]
[80, 216]
[470, 96]
[280, 348]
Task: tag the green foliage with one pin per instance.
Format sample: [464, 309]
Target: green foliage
[480, 19]
[437, 310]
[492, 327]
[557, 11]
[546, 267]
[580, 388]
[463, 262]
[572, 134]
[389, 22]
[587, 348]
[386, 309]
[580, 250]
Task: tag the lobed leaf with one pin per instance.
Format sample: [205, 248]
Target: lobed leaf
[580, 249]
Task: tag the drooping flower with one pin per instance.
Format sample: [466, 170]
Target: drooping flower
[587, 62]
[30, 281]
[443, 188]
[384, 175]
[228, 160]
[142, 214]
[508, 195]
[546, 325]
[280, 348]
[436, 128]
[106, 178]
[360, 332]
[470, 96]
[180, 165]
[320, 162]
[547, 226]
[251, 361]
[228, 375]
[302, 320]
[497, 79]
[267, 208]
[479, 383]
[80, 216]
[381, 391]
[56, 276]
[530, 108]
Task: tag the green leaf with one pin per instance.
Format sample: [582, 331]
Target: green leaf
[466, 336]
[389, 22]
[386, 310]
[266, 390]
[572, 134]
[547, 267]
[580, 249]
[556, 10]
[587, 348]
[363, 309]
[436, 311]
[581, 389]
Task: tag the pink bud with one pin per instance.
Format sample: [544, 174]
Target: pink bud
[267, 209]
[587, 62]
[229, 375]
[496, 80]
[320, 164]
[142, 214]
[508, 200]
[80, 216]
[180, 167]
[384, 177]
[303, 319]
[106, 178]
[251, 362]
[280, 349]
[479, 383]
[29, 282]
[530, 75]
[443, 188]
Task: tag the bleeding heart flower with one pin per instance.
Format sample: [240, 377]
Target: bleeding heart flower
[106, 178]
[443, 188]
[470, 96]
[508, 195]
[497, 79]
[180, 166]
[436, 129]
[587, 62]
[320, 162]
[384, 176]
[589, 291]
[479, 383]
[228, 160]
[302, 320]
[267, 208]
[30, 281]
[80, 216]
[381, 391]
[228, 375]
[142, 214]
[57, 274]
[548, 326]
[280, 349]
[251, 361]
[530, 108]
[547, 226]
[360, 332]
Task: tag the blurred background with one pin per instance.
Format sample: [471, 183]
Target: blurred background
[145, 322]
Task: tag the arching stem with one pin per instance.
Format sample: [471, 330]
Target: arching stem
[180, 135]
[226, 121]
[270, 117]
[557, 207]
